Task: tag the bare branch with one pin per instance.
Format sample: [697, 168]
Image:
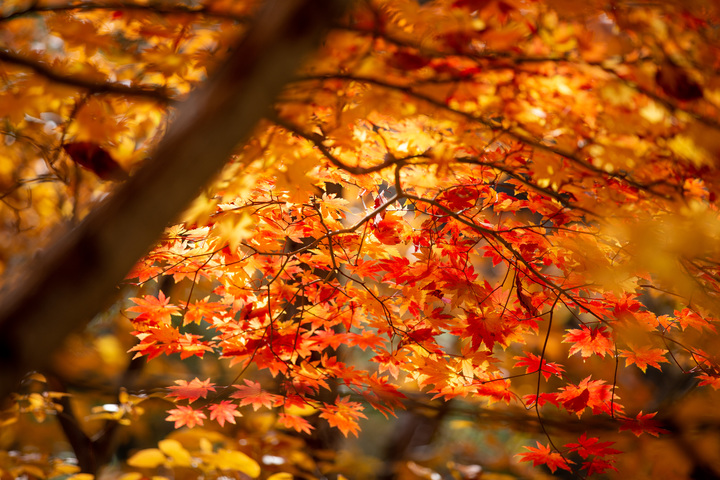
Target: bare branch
[159, 94]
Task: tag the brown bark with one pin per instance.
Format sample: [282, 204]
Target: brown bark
[74, 281]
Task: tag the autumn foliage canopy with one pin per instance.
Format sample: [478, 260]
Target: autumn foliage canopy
[512, 204]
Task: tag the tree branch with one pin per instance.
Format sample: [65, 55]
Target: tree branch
[157, 8]
[159, 94]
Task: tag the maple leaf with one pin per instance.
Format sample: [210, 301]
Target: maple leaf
[405, 60]
[598, 465]
[295, 422]
[689, 318]
[367, 339]
[192, 390]
[185, 416]
[578, 403]
[589, 341]
[93, 157]
[543, 455]
[156, 340]
[532, 363]
[644, 356]
[343, 415]
[643, 423]
[489, 330]
[188, 345]
[144, 271]
[591, 446]
[541, 400]
[154, 309]
[203, 309]
[594, 394]
[708, 379]
[252, 394]
[676, 82]
[225, 411]
[392, 229]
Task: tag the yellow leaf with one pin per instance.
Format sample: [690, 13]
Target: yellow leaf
[653, 112]
[25, 471]
[281, 476]
[148, 458]
[291, 177]
[234, 460]
[38, 377]
[176, 452]
[205, 445]
[303, 411]
[111, 350]
[686, 148]
[82, 476]
[61, 468]
[132, 476]
[234, 228]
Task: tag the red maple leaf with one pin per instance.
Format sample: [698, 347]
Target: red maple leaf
[191, 391]
[643, 423]
[93, 157]
[185, 416]
[489, 330]
[598, 465]
[391, 230]
[599, 397]
[589, 341]
[225, 411]
[578, 403]
[532, 363]
[541, 400]
[591, 446]
[543, 455]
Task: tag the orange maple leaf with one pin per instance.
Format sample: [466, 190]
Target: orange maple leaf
[225, 411]
[155, 341]
[154, 309]
[203, 309]
[644, 356]
[688, 318]
[595, 394]
[543, 455]
[185, 416]
[252, 394]
[191, 391]
[343, 415]
[590, 341]
[295, 422]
